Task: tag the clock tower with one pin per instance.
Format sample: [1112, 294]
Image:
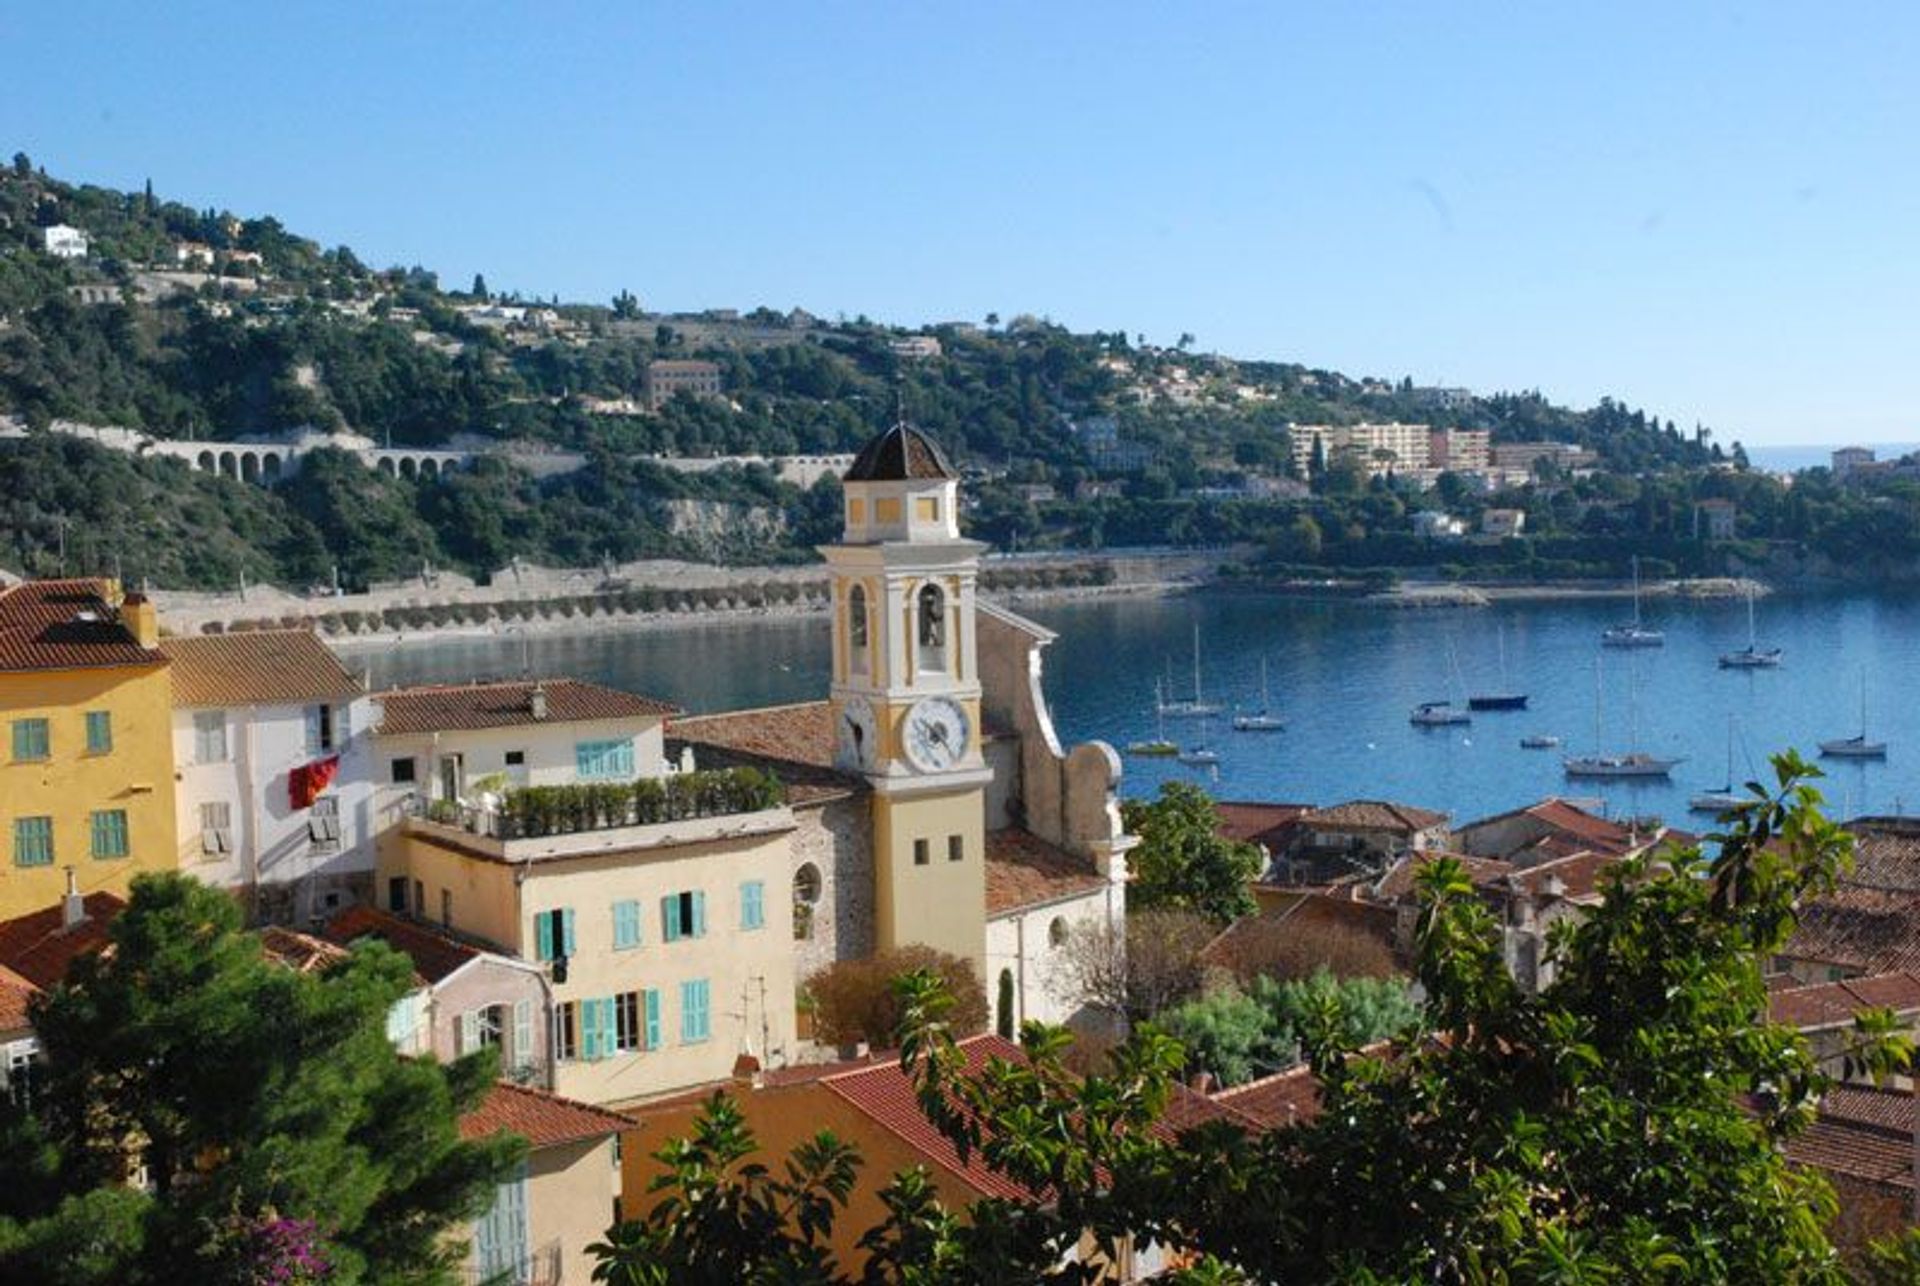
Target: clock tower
[906, 690]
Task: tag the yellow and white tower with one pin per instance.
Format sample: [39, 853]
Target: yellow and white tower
[906, 690]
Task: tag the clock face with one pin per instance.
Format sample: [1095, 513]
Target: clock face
[855, 738]
[936, 733]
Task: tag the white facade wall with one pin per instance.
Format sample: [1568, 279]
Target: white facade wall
[547, 751]
[65, 242]
[1024, 941]
[271, 852]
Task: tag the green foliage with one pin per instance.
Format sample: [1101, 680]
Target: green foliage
[855, 1000]
[564, 810]
[248, 1091]
[1238, 1034]
[1183, 861]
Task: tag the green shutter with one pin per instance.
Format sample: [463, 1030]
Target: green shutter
[566, 933]
[670, 917]
[33, 841]
[651, 998]
[99, 732]
[590, 1030]
[699, 915]
[626, 925]
[543, 936]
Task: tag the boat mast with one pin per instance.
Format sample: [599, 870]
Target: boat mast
[1196, 664]
[1636, 591]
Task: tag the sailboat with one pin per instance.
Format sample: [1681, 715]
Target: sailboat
[1752, 656]
[1159, 747]
[1506, 698]
[1725, 797]
[1857, 747]
[1261, 720]
[1441, 714]
[1634, 763]
[1195, 707]
[1201, 755]
[1633, 634]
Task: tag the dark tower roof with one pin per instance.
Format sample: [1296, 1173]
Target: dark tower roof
[901, 453]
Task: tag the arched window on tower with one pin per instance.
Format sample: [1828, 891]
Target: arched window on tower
[857, 626]
[933, 628]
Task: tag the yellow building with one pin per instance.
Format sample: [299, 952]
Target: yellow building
[86, 763]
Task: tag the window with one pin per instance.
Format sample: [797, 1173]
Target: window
[753, 905]
[216, 832]
[482, 1028]
[650, 1013]
[516, 759]
[922, 852]
[626, 925]
[522, 1059]
[405, 1020]
[396, 889]
[19, 1070]
[33, 841]
[319, 729]
[603, 759]
[99, 732]
[402, 771]
[956, 848]
[553, 934]
[32, 739]
[695, 1025]
[419, 898]
[857, 620]
[446, 907]
[566, 1039]
[1058, 932]
[626, 1022]
[110, 833]
[210, 737]
[806, 895]
[933, 628]
[597, 1029]
[323, 823]
[683, 915]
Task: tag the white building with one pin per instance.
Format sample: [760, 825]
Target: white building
[272, 738]
[915, 348]
[1431, 524]
[1379, 448]
[65, 242]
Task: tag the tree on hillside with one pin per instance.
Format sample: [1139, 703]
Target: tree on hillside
[1624, 1124]
[264, 1105]
[1183, 861]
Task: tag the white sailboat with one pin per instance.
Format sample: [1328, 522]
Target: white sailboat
[1202, 754]
[1633, 634]
[1725, 797]
[1752, 656]
[1442, 714]
[1856, 747]
[1263, 719]
[1197, 706]
[1632, 763]
[1159, 747]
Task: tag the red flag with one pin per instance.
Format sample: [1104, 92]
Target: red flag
[305, 783]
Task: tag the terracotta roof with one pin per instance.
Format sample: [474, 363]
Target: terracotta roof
[1263, 824]
[1578, 875]
[1569, 829]
[1863, 1134]
[256, 667]
[902, 452]
[16, 995]
[467, 706]
[885, 1095]
[1283, 1098]
[1399, 881]
[1374, 814]
[1832, 1004]
[1867, 930]
[544, 1120]
[434, 954]
[1248, 940]
[300, 952]
[39, 949]
[1885, 861]
[1188, 1108]
[65, 625]
[1024, 870]
[795, 741]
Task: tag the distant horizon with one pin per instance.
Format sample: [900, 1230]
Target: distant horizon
[1696, 210]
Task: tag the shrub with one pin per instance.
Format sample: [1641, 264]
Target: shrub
[853, 1000]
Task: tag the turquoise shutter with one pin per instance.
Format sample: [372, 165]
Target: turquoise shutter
[699, 915]
[752, 911]
[670, 918]
[566, 933]
[543, 936]
[626, 925]
[590, 1030]
[651, 999]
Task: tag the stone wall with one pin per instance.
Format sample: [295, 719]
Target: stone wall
[837, 840]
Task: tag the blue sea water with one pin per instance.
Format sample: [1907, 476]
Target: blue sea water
[1345, 677]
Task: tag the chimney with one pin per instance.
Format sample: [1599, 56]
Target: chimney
[746, 1069]
[538, 702]
[73, 910]
[141, 619]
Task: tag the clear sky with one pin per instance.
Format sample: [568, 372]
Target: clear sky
[1710, 210]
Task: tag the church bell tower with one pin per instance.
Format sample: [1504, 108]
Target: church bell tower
[905, 697]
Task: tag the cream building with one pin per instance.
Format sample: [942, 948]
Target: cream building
[1379, 448]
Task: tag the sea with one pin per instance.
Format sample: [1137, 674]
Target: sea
[1791, 459]
[1345, 676]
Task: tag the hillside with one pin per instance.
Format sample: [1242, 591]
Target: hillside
[187, 323]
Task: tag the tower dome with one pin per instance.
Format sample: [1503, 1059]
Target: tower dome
[901, 454]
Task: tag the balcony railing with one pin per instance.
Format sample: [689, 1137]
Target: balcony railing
[539, 812]
[540, 1268]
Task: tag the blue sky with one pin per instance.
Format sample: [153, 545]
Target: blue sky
[1709, 210]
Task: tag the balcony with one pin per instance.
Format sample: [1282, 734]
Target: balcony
[539, 1268]
[568, 821]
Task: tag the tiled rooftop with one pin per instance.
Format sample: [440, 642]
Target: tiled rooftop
[465, 707]
[795, 741]
[1866, 930]
[65, 625]
[544, 1120]
[1283, 1098]
[1374, 814]
[263, 667]
[900, 453]
[1024, 870]
[1263, 824]
[38, 948]
[434, 954]
[300, 952]
[1861, 1133]
[16, 994]
[1401, 878]
[1831, 1004]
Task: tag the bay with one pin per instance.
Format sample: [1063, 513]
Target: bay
[1345, 677]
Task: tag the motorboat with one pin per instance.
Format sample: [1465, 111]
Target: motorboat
[1540, 741]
